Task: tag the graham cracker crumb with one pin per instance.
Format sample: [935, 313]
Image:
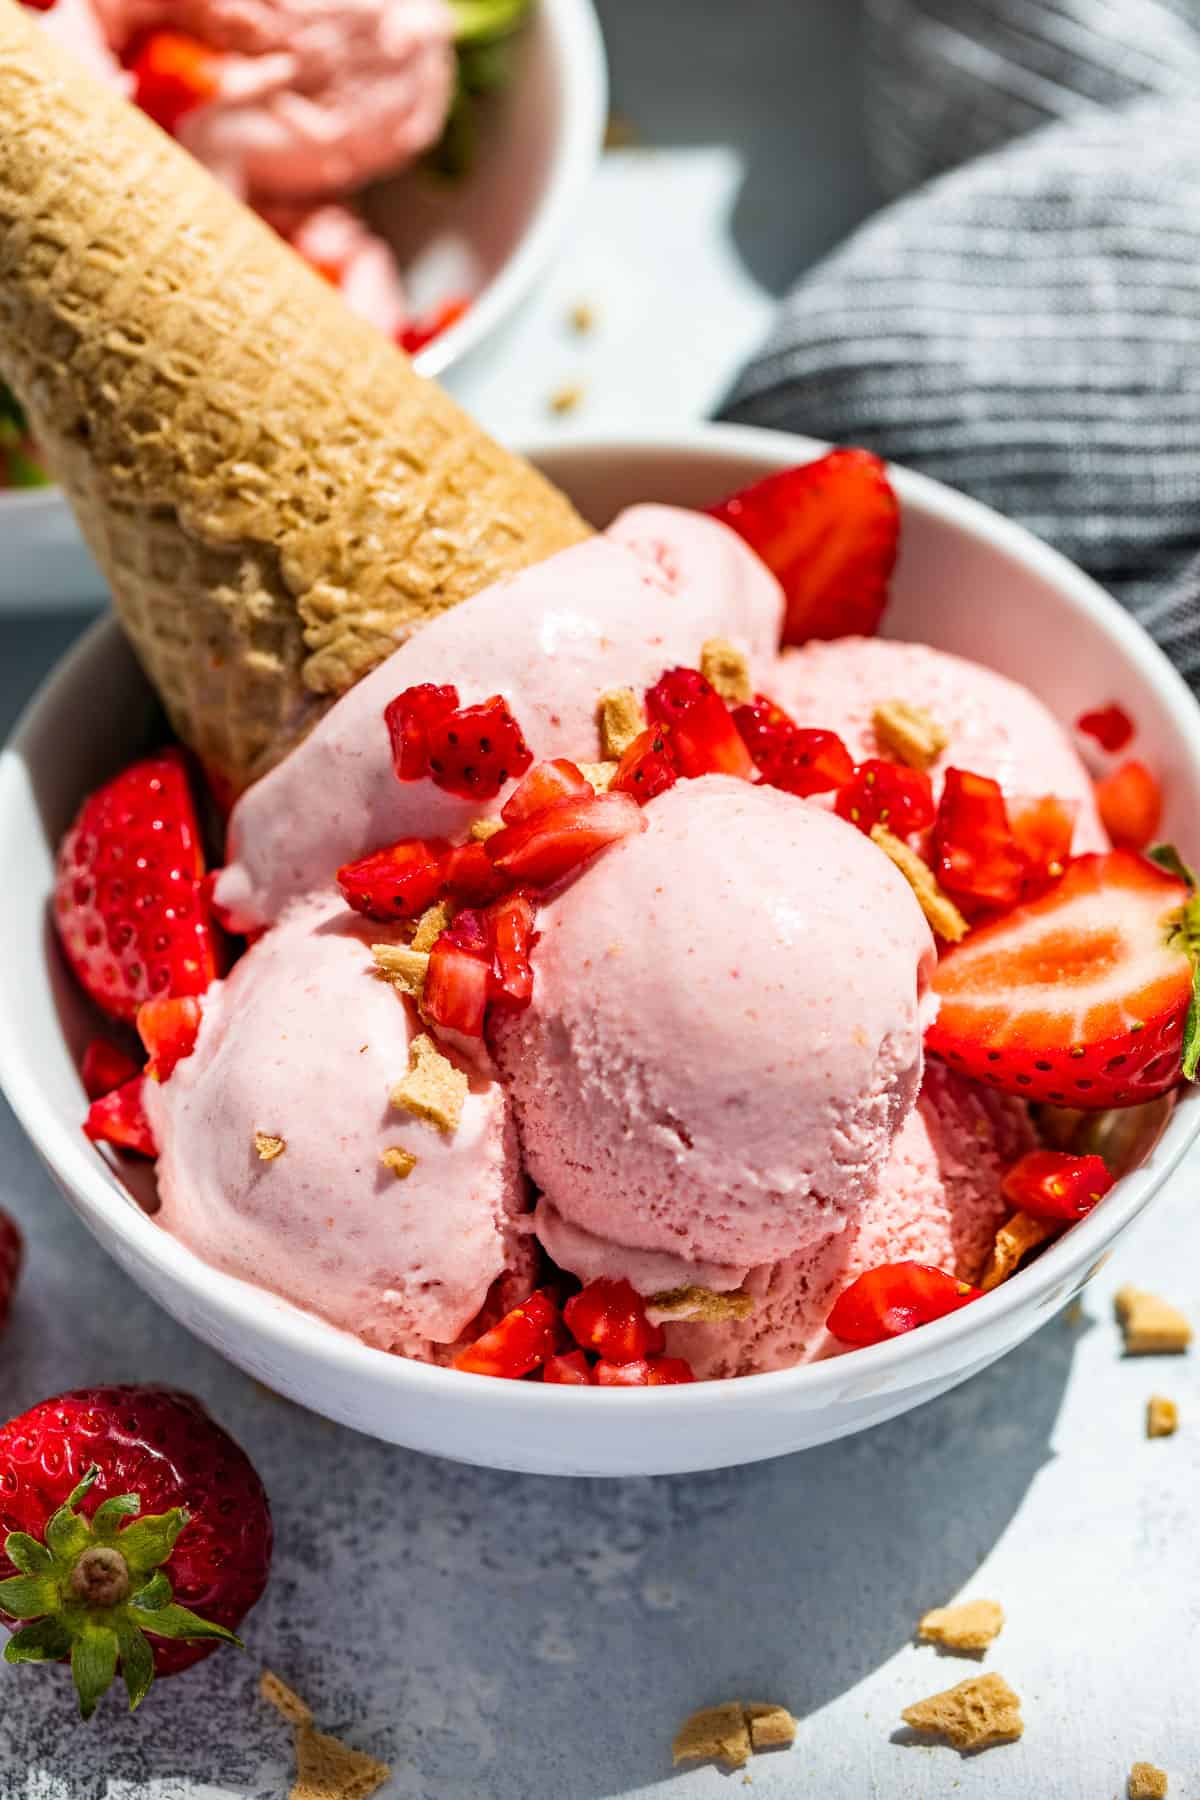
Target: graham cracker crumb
[582, 317]
[714, 1734]
[971, 1716]
[400, 1161]
[621, 720]
[1147, 1783]
[771, 1727]
[327, 1769]
[725, 668]
[700, 1303]
[1150, 1325]
[599, 774]
[940, 910]
[566, 399]
[482, 829]
[268, 1145]
[430, 927]
[620, 133]
[1014, 1240]
[403, 966]
[911, 733]
[433, 1089]
[1162, 1417]
[279, 1695]
[973, 1625]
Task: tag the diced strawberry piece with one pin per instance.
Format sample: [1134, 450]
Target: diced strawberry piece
[409, 718]
[704, 738]
[609, 1317]
[547, 785]
[1111, 726]
[884, 793]
[397, 883]
[647, 767]
[415, 336]
[119, 1118]
[105, 1067]
[895, 1298]
[40, 5]
[510, 926]
[522, 1340]
[551, 845]
[475, 750]
[570, 1368]
[173, 74]
[800, 760]
[1079, 997]
[1053, 1184]
[976, 856]
[1130, 805]
[653, 1371]
[455, 995]
[828, 532]
[469, 874]
[168, 1029]
[1042, 830]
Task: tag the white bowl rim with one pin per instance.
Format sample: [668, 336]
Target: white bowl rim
[80, 1168]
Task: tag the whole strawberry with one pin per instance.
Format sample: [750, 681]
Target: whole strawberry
[125, 1508]
[11, 1254]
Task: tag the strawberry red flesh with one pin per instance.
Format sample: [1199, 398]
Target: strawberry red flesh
[704, 738]
[570, 1368]
[799, 759]
[547, 785]
[1130, 806]
[548, 847]
[120, 1119]
[1042, 830]
[168, 1029]
[173, 74]
[519, 1343]
[829, 533]
[474, 751]
[414, 336]
[976, 856]
[884, 793]
[1079, 997]
[896, 1297]
[1111, 727]
[650, 1371]
[510, 928]
[1053, 1184]
[647, 767]
[397, 883]
[105, 1067]
[469, 874]
[609, 1317]
[409, 718]
[455, 995]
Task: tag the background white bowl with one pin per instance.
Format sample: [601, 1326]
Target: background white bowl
[491, 235]
[968, 582]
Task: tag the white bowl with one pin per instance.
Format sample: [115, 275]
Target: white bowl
[968, 582]
[491, 234]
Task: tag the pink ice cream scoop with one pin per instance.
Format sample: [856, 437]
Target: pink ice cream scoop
[939, 1202]
[614, 611]
[996, 727]
[725, 1032]
[303, 1043]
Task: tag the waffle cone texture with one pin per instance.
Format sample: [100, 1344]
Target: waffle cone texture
[276, 499]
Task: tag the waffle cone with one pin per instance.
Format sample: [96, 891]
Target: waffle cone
[276, 498]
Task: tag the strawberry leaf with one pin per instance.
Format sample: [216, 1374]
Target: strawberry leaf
[28, 1596]
[45, 1640]
[26, 1554]
[149, 1542]
[93, 1664]
[1191, 1030]
[109, 1514]
[156, 1593]
[180, 1622]
[137, 1662]
[1167, 857]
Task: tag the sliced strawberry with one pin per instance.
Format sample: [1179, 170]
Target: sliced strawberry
[1130, 806]
[652, 1371]
[397, 883]
[1111, 726]
[510, 927]
[1042, 830]
[547, 785]
[468, 873]
[1053, 1184]
[1079, 997]
[647, 767]
[119, 1118]
[455, 995]
[409, 718]
[105, 1067]
[828, 532]
[976, 855]
[551, 845]
[130, 899]
[570, 1368]
[173, 74]
[477, 749]
[895, 1298]
[884, 793]
[704, 738]
[168, 1029]
[468, 931]
[800, 760]
[521, 1342]
[420, 332]
[609, 1317]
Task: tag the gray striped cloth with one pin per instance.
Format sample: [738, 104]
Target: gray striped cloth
[1026, 328]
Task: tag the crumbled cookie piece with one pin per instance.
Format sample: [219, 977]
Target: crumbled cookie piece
[400, 1161]
[911, 733]
[771, 1727]
[1147, 1783]
[327, 1769]
[1014, 1240]
[971, 1716]
[268, 1145]
[1151, 1327]
[430, 927]
[582, 317]
[973, 1625]
[599, 774]
[725, 668]
[1162, 1417]
[944, 917]
[482, 829]
[714, 1734]
[567, 398]
[279, 1695]
[699, 1303]
[433, 1089]
[621, 720]
[403, 966]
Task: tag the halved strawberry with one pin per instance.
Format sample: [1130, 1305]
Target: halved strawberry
[609, 1317]
[397, 883]
[173, 74]
[570, 1368]
[976, 855]
[544, 849]
[1080, 997]
[1130, 806]
[119, 1118]
[469, 874]
[894, 1298]
[647, 767]
[650, 1371]
[510, 928]
[1111, 726]
[799, 759]
[168, 1029]
[419, 332]
[828, 532]
[105, 1067]
[1042, 829]
[521, 1342]
[409, 719]
[1054, 1184]
[547, 785]
[704, 738]
[455, 995]
[884, 793]
[476, 749]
